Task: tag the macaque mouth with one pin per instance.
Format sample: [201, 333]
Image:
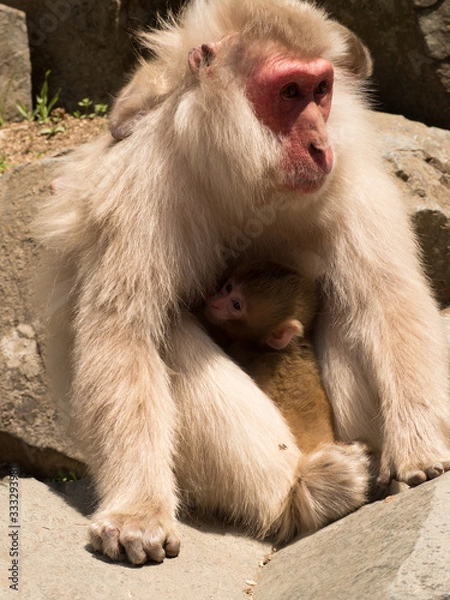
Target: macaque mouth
[309, 178]
[305, 186]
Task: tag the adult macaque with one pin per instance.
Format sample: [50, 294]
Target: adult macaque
[265, 309]
[264, 116]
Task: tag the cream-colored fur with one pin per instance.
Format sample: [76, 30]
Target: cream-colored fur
[139, 228]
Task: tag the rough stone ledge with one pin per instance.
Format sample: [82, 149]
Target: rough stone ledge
[55, 562]
[42, 462]
[395, 549]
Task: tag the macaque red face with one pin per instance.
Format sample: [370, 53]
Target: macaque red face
[293, 98]
[290, 95]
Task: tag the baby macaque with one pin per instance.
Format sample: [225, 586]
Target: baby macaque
[266, 310]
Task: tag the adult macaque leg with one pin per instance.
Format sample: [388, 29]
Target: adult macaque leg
[371, 357]
[409, 454]
[237, 456]
[128, 437]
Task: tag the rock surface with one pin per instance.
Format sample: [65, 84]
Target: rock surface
[89, 47]
[419, 157]
[54, 563]
[15, 66]
[86, 44]
[31, 430]
[397, 549]
[410, 43]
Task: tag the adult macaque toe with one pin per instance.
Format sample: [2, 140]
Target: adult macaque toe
[104, 537]
[132, 543]
[172, 546]
[95, 538]
[111, 545]
[414, 478]
[137, 539]
[156, 553]
[434, 470]
[159, 546]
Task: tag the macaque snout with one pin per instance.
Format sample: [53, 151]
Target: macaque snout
[311, 132]
[322, 155]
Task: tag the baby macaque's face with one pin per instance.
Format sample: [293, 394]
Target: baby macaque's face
[228, 305]
[247, 318]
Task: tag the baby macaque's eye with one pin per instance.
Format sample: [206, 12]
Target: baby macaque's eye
[237, 305]
[228, 287]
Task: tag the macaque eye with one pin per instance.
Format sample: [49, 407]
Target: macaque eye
[228, 287]
[290, 91]
[237, 305]
[322, 88]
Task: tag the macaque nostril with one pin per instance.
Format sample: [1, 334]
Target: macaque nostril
[318, 147]
[315, 151]
[322, 155]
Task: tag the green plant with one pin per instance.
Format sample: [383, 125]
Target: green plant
[100, 110]
[26, 114]
[3, 164]
[87, 112]
[63, 476]
[44, 104]
[51, 131]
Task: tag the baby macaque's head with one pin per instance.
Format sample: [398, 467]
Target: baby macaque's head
[264, 303]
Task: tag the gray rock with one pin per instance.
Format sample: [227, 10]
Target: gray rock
[419, 156]
[54, 562]
[86, 44]
[410, 42]
[396, 549]
[30, 433]
[15, 66]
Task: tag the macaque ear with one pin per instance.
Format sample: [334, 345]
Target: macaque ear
[201, 56]
[122, 127]
[357, 59]
[281, 336]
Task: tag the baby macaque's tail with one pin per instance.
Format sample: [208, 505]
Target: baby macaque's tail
[330, 483]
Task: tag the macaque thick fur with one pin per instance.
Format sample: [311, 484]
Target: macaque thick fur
[262, 317]
[256, 143]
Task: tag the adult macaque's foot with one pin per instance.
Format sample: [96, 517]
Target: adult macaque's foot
[414, 477]
[138, 537]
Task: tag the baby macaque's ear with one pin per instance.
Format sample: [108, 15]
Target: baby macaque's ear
[281, 336]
